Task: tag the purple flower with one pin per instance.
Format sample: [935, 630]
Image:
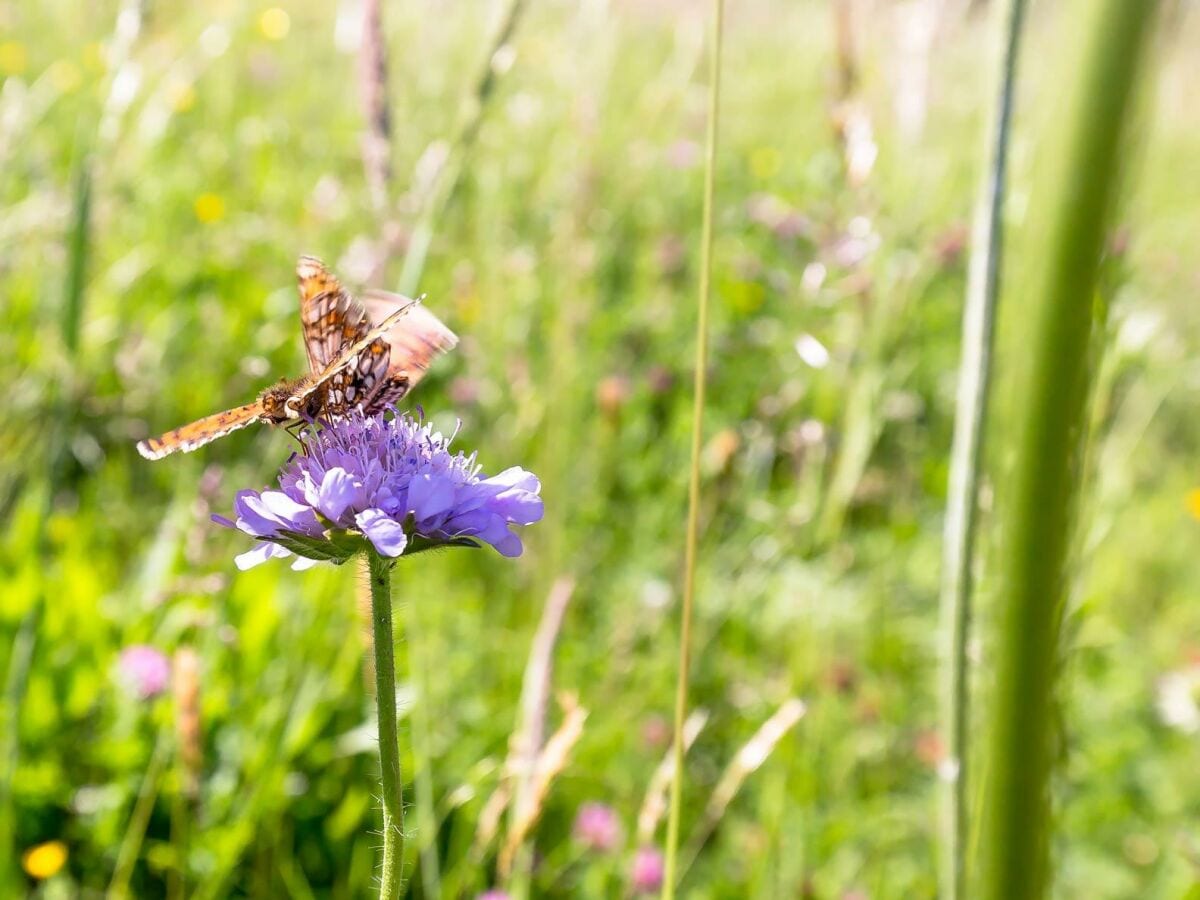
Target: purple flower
[393, 482]
[145, 671]
[493, 894]
[597, 827]
[647, 873]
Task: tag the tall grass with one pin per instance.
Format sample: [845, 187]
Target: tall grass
[1038, 513]
[698, 390]
[966, 461]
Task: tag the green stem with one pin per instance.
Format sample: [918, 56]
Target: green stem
[389, 744]
[693, 518]
[966, 461]
[1038, 511]
[427, 821]
[139, 818]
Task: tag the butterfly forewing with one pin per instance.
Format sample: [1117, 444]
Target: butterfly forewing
[330, 317]
[200, 432]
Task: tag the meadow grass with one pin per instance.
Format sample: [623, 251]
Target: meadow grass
[219, 146]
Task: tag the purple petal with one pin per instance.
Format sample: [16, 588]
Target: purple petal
[295, 516]
[222, 521]
[429, 496]
[384, 532]
[516, 477]
[252, 517]
[509, 545]
[519, 506]
[302, 563]
[468, 523]
[338, 492]
[260, 554]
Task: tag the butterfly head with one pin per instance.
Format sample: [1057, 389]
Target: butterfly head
[284, 401]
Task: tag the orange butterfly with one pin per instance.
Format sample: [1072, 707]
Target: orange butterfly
[363, 356]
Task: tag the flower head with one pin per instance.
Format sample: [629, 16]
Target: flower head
[493, 894]
[145, 670]
[394, 483]
[597, 827]
[647, 873]
[45, 860]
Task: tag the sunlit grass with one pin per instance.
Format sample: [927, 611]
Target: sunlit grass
[564, 259]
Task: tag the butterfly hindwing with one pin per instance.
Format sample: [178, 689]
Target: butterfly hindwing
[413, 343]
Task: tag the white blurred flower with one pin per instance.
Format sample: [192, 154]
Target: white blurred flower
[812, 351]
[1178, 693]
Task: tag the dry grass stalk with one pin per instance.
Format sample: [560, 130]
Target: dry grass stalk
[525, 745]
[185, 683]
[655, 804]
[749, 759]
[551, 761]
[489, 820]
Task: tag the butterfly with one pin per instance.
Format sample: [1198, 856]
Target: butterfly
[362, 355]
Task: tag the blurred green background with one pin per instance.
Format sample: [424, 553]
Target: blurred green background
[161, 168]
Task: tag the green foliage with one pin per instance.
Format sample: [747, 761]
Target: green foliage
[566, 261]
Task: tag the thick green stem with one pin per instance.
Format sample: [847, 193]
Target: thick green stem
[693, 519]
[1038, 509]
[966, 461]
[389, 744]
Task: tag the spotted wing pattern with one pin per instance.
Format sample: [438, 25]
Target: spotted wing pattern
[332, 320]
[352, 375]
[188, 437]
[413, 344]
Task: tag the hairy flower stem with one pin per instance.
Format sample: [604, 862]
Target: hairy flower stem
[389, 744]
[693, 518]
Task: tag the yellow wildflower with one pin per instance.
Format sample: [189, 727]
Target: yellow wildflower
[274, 23]
[12, 58]
[45, 860]
[210, 208]
[1193, 503]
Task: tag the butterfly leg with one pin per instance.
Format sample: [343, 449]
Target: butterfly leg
[294, 428]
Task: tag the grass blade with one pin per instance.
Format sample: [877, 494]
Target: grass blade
[1039, 510]
[966, 460]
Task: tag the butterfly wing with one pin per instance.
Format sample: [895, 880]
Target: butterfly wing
[356, 371]
[203, 431]
[387, 365]
[330, 317]
[413, 344]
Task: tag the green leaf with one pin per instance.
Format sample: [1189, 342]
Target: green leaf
[310, 547]
[418, 544]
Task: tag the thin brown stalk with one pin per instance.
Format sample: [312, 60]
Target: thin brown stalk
[373, 87]
[693, 519]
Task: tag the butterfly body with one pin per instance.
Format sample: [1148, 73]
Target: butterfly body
[358, 360]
